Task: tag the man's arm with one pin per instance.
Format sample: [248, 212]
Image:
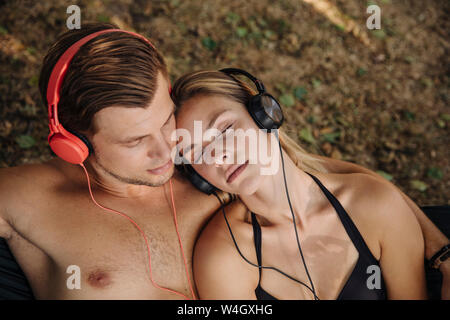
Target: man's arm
[5, 228]
[33, 261]
[434, 238]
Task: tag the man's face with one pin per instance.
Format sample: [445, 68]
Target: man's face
[133, 144]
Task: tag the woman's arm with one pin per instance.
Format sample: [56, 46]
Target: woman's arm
[400, 240]
[220, 272]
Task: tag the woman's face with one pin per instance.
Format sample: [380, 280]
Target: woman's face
[227, 158]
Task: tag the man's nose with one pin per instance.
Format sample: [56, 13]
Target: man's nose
[160, 148]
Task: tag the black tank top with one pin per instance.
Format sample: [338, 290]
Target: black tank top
[356, 287]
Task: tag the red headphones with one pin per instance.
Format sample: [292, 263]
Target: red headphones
[69, 146]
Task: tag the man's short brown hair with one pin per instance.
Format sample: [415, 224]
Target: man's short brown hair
[113, 69]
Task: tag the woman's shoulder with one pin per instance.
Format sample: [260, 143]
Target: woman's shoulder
[361, 189]
[372, 204]
[219, 269]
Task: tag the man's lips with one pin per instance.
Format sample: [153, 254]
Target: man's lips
[162, 169]
[234, 171]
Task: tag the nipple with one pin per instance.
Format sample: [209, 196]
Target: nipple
[99, 279]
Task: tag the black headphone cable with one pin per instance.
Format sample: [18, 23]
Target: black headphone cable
[293, 218]
[251, 263]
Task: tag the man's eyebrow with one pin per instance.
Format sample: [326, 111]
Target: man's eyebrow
[130, 139]
[133, 138]
[171, 113]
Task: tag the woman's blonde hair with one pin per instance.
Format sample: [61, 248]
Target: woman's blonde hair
[218, 83]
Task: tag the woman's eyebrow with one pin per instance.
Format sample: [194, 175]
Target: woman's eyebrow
[211, 123]
[214, 118]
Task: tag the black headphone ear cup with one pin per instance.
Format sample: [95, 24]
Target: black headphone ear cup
[266, 111]
[198, 181]
[84, 139]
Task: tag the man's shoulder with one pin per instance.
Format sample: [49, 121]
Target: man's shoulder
[29, 182]
[31, 174]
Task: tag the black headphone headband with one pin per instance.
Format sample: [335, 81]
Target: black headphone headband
[259, 85]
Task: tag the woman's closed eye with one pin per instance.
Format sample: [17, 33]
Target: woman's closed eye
[200, 154]
[228, 127]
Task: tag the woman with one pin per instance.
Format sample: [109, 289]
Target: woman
[349, 226]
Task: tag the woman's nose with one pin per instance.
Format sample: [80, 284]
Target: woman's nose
[221, 157]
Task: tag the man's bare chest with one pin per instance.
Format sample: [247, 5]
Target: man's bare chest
[109, 250]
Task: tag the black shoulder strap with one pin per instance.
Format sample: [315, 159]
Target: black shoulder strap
[257, 240]
[347, 222]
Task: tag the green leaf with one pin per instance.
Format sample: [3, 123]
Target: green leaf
[311, 119]
[379, 33]
[25, 141]
[33, 81]
[410, 115]
[232, 18]
[103, 18]
[419, 185]
[427, 82]
[269, 34]
[409, 59]
[435, 173]
[3, 31]
[31, 50]
[316, 83]
[287, 99]
[306, 135]
[209, 43]
[241, 32]
[361, 71]
[331, 137]
[300, 93]
[385, 175]
[446, 116]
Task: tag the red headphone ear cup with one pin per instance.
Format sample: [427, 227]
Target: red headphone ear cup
[68, 147]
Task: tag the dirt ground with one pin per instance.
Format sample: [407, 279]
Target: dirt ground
[374, 97]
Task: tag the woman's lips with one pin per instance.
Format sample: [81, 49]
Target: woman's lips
[162, 169]
[236, 172]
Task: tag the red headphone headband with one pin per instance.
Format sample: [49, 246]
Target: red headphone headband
[59, 72]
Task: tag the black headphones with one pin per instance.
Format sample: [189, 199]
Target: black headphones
[263, 108]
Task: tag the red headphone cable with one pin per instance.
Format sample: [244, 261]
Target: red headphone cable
[145, 237]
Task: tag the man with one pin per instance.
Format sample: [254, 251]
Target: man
[116, 93]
